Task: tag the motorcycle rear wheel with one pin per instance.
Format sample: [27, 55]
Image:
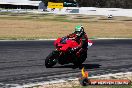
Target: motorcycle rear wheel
[79, 61]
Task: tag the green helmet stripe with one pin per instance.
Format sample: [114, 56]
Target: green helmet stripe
[78, 28]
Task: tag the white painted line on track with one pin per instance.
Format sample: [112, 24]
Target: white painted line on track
[95, 38]
[112, 38]
[55, 39]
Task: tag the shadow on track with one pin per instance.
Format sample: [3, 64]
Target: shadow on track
[86, 66]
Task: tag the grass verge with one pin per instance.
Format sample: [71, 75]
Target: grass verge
[39, 26]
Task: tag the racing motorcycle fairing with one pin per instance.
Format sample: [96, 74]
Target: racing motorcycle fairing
[63, 44]
[63, 53]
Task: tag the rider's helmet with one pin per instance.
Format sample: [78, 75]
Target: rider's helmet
[79, 30]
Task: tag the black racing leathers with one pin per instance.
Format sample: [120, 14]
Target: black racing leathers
[81, 40]
[81, 50]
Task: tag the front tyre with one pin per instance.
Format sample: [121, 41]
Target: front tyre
[51, 60]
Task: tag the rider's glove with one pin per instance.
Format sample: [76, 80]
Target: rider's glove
[73, 49]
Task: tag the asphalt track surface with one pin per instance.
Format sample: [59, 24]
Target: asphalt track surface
[22, 62]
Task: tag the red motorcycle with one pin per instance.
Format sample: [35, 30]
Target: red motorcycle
[63, 54]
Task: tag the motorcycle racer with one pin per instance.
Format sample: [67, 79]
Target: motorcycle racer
[81, 38]
[70, 49]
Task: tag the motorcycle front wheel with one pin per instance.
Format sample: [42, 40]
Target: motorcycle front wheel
[51, 60]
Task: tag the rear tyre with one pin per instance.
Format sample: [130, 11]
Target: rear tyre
[78, 61]
[51, 60]
[83, 58]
